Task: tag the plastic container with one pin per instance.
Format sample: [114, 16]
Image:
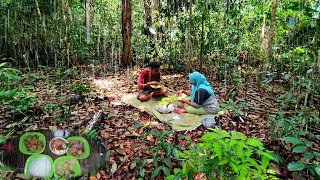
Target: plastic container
[66, 167]
[86, 147]
[176, 116]
[63, 148]
[60, 133]
[208, 122]
[34, 157]
[24, 149]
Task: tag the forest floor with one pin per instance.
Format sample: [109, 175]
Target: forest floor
[125, 143]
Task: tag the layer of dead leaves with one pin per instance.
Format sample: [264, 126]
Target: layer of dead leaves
[125, 143]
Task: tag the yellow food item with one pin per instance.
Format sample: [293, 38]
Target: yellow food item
[156, 87]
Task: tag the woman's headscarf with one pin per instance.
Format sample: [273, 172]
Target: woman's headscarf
[199, 82]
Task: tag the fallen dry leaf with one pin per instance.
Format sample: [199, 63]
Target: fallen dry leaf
[127, 150]
[133, 165]
[114, 168]
[121, 151]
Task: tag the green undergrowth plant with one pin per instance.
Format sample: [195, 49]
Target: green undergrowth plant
[164, 152]
[300, 140]
[71, 72]
[58, 111]
[305, 155]
[299, 124]
[80, 88]
[237, 108]
[20, 101]
[8, 76]
[223, 155]
[12, 94]
[295, 127]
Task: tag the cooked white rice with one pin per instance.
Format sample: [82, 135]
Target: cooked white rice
[40, 167]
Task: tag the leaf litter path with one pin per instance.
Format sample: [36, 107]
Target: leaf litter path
[126, 144]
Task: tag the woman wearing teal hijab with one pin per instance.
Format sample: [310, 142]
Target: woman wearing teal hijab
[202, 97]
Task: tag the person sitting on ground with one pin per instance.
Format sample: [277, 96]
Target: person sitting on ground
[202, 97]
[150, 77]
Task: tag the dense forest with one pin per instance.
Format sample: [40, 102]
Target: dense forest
[270, 46]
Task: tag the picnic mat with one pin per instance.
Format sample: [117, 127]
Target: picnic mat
[188, 122]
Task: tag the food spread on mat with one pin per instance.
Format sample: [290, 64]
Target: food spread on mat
[66, 168]
[33, 143]
[76, 148]
[165, 101]
[170, 99]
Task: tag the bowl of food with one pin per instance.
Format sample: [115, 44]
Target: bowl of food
[165, 109]
[58, 146]
[78, 147]
[32, 143]
[40, 166]
[208, 122]
[66, 167]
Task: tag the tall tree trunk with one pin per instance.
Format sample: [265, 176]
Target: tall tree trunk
[202, 35]
[262, 36]
[88, 26]
[190, 51]
[190, 25]
[64, 7]
[147, 9]
[202, 40]
[271, 32]
[157, 18]
[148, 19]
[126, 33]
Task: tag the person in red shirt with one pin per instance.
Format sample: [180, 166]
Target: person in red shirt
[150, 77]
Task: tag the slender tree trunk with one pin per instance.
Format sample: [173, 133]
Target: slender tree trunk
[262, 36]
[147, 9]
[54, 9]
[202, 36]
[126, 33]
[157, 18]
[67, 35]
[190, 53]
[202, 41]
[271, 32]
[88, 26]
[190, 24]
[148, 19]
